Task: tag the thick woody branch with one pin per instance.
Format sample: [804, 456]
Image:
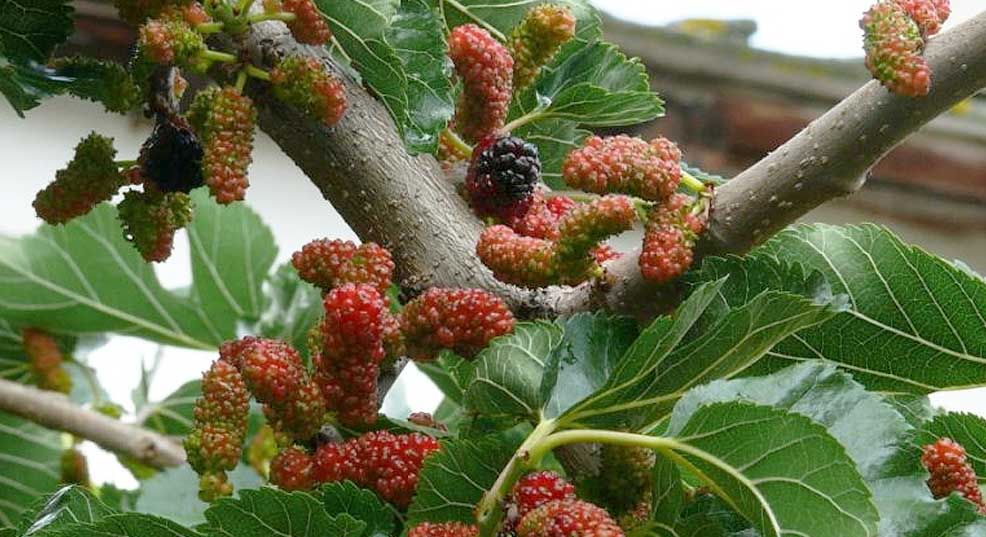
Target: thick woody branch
[406, 204]
[55, 411]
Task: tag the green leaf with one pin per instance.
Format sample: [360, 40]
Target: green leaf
[417, 36]
[23, 85]
[173, 493]
[596, 86]
[68, 505]
[125, 525]
[83, 277]
[507, 376]
[269, 511]
[29, 456]
[361, 504]
[916, 324]
[360, 28]
[669, 495]
[451, 373]
[173, 414]
[453, 479]
[707, 340]
[780, 470]
[869, 428]
[118, 499]
[30, 30]
[294, 308]
[908, 510]
[591, 346]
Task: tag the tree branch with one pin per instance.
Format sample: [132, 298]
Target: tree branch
[405, 203]
[55, 411]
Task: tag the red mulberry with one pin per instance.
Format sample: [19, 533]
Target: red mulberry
[46, 360]
[950, 472]
[486, 70]
[568, 518]
[669, 237]
[462, 320]
[308, 27]
[893, 45]
[304, 83]
[534, 490]
[516, 259]
[330, 263]
[443, 529]
[224, 121]
[352, 348]
[539, 221]
[502, 177]
[225, 401]
[292, 469]
[537, 39]
[339, 462]
[627, 165]
[393, 462]
[929, 15]
[585, 226]
[90, 177]
[151, 218]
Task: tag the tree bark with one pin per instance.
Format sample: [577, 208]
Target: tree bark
[406, 204]
[55, 411]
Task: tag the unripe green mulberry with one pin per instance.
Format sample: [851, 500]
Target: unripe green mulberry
[893, 45]
[304, 83]
[625, 164]
[46, 360]
[486, 69]
[90, 178]
[151, 218]
[583, 228]
[516, 259]
[224, 121]
[107, 82]
[626, 479]
[537, 39]
[74, 468]
[170, 40]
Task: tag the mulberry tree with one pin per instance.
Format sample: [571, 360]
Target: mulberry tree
[728, 374]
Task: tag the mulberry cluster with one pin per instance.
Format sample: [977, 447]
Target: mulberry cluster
[486, 70]
[276, 376]
[566, 518]
[461, 320]
[151, 218]
[304, 83]
[893, 42]
[950, 472]
[669, 238]
[502, 177]
[534, 490]
[330, 263]
[46, 360]
[169, 40]
[89, 178]
[443, 529]
[220, 421]
[625, 164]
[385, 462]
[224, 121]
[348, 365]
[308, 26]
[171, 157]
[537, 39]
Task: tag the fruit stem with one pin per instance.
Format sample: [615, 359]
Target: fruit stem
[458, 142]
[256, 72]
[489, 510]
[241, 78]
[282, 16]
[533, 115]
[216, 56]
[209, 28]
[691, 183]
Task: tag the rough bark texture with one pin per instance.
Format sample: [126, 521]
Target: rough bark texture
[406, 204]
[55, 411]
